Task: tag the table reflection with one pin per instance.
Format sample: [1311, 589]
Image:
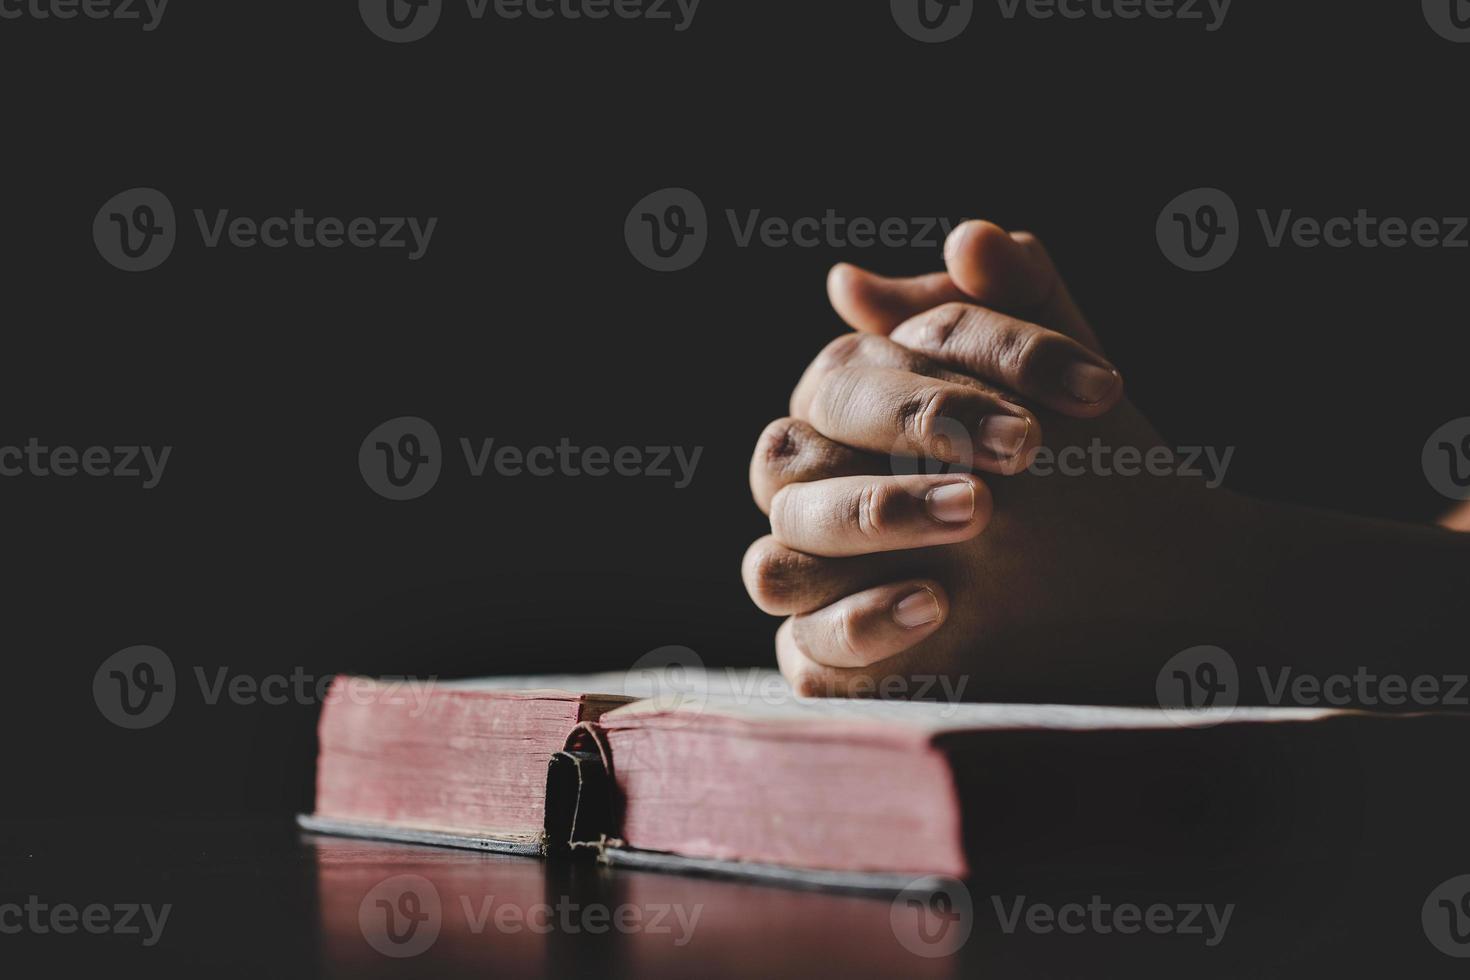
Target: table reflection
[385, 906]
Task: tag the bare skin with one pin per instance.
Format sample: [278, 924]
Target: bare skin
[1033, 584]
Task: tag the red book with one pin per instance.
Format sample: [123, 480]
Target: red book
[733, 774]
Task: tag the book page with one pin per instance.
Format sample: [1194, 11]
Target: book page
[940, 716]
[645, 682]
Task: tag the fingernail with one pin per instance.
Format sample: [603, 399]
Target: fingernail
[1004, 435]
[953, 503]
[1089, 383]
[919, 609]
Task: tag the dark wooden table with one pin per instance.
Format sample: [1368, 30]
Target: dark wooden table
[261, 899]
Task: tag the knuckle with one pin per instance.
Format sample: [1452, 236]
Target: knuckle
[771, 575]
[845, 636]
[781, 444]
[934, 332]
[923, 415]
[873, 510]
[1019, 353]
[840, 352]
[781, 517]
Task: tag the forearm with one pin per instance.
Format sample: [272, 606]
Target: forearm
[1326, 595]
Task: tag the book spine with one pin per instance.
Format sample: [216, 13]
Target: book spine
[582, 811]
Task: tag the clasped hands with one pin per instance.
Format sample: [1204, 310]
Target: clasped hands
[907, 537]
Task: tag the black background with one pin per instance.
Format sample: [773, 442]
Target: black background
[262, 550]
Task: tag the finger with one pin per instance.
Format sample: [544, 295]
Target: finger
[810, 679]
[791, 451]
[1013, 273]
[782, 581]
[1058, 311]
[1034, 362]
[861, 515]
[1009, 272]
[859, 348]
[871, 626]
[985, 265]
[881, 410]
[992, 268]
[807, 678]
[876, 304]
